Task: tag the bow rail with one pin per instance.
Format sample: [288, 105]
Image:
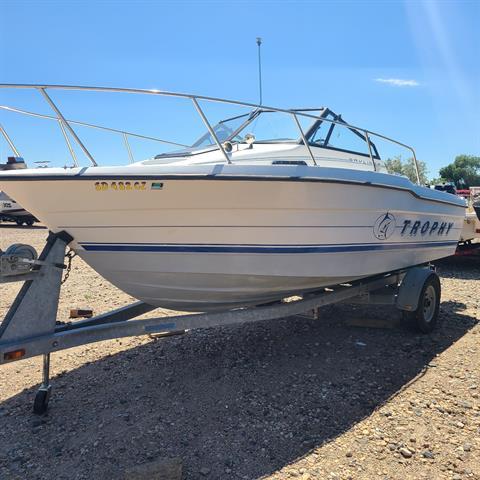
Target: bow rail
[66, 124]
[125, 134]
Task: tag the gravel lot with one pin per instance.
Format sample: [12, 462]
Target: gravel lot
[353, 395]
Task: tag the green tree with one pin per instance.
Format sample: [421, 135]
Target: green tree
[407, 168]
[438, 181]
[464, 171]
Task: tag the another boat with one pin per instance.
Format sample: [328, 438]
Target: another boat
[243, 219]
[11, 211]
[476, 208]
[471, 225]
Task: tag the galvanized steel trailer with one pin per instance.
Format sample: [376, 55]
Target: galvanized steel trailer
[30, 327]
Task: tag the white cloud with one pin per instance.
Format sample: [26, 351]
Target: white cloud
[398, 82]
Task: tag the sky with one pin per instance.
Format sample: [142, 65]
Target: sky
[407, 69]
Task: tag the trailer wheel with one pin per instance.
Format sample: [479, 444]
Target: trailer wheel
[19, 222]
[425, 317]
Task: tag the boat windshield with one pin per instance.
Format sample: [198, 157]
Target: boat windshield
[325, 130]
[225, 130]
[272, 127]
[266, 126]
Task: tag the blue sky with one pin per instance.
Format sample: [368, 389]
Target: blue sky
[409, 69]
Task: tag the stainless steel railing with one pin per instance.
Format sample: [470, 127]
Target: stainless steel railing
[9, 141]
[66, 124]
[125, 134]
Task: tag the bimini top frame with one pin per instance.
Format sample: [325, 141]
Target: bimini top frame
[67, 124]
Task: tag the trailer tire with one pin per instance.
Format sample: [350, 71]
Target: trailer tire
[425, 317]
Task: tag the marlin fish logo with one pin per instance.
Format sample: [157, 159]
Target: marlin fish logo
[384, 226]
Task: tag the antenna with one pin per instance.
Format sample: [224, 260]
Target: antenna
[259, 43]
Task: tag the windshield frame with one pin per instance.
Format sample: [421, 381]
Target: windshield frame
[340, 122]
[324, 113]
[251, 116]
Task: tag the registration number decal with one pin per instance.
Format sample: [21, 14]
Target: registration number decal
[120, 186]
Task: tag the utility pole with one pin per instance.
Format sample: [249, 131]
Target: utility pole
[259, 43]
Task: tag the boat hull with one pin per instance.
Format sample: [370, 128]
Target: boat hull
[200, 282]
[198, 244]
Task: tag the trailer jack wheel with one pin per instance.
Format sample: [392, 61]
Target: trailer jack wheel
[40, 404]
[425, 317]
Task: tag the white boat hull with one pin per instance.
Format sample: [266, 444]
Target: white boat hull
[471, 228]
[205, 243]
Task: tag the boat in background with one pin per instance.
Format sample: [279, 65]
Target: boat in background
[11, 211]
[239, 217]
[471, 225]
[475, 193]
[476, 207]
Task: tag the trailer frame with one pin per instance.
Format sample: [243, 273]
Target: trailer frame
[30, 327]
[28, 220]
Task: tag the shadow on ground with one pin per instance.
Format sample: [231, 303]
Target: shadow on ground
[463, 267]
[241, 401]
[23, 227]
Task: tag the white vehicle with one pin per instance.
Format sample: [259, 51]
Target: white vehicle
[11, 211]
[240, 218]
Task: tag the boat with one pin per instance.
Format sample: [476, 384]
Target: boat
[476, 208]
[471, 227]
[11, 211]
[240, 217]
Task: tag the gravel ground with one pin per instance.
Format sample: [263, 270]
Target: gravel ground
[332, 398]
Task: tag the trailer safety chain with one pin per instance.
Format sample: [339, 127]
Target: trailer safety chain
[70, 255]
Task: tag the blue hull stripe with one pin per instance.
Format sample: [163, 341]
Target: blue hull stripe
[200, 248]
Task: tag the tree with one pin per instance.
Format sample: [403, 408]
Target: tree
[438, 181]
[464, 171]
[407, 168]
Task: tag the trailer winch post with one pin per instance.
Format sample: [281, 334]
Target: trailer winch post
[34, 311]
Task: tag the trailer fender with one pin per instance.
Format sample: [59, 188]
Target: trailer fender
[411, 287]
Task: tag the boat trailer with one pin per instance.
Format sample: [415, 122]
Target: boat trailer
[20, 220]
[30, 327]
